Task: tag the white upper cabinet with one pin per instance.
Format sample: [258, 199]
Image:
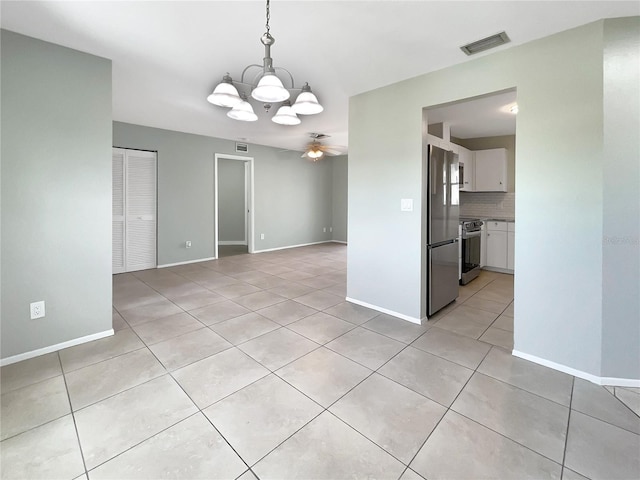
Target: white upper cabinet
[491, 170]
[467, 169]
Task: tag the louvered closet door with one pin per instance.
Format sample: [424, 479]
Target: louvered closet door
[140, 210]
[134, 210]
[118, 238]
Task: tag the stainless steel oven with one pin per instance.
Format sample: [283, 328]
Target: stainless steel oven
[471, 247]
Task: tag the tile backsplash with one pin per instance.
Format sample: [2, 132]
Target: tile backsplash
[488, 205]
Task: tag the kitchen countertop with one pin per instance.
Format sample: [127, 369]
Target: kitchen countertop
[510, 220]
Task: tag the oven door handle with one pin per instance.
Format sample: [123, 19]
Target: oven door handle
[471, 234]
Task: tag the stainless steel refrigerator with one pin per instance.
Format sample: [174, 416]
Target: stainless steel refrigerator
[443, 213]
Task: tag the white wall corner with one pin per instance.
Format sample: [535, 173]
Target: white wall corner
[385, 310]
[608, 381]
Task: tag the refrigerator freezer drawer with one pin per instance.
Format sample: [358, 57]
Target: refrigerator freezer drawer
[443, 276]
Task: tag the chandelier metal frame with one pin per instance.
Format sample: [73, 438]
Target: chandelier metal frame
[266, 88]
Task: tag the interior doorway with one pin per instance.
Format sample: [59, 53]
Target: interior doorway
[233, 184]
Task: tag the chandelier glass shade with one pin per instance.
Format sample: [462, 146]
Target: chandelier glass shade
[307, 103]
[225, 94]
[285, 115]
[270, 89]
[243, 111]
[267, 88]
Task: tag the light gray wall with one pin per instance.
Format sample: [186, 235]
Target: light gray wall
[340, 187]
[56, 193]
[292, 201]
[621, 205]
[502, 141]
[559, 180]
[231, 201]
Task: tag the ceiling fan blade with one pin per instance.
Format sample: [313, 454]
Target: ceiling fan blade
[331, 152]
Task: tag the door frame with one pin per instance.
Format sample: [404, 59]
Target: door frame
[249, 199]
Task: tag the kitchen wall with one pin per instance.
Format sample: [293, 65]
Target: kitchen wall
[565, 107]
[488, 205]
[56, 194]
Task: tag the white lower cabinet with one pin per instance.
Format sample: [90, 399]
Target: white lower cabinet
[499, 245]
[496, 249]
[511, 241]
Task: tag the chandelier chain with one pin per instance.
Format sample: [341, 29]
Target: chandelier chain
[268, 17]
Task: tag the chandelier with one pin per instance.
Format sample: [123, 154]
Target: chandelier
[267, 88]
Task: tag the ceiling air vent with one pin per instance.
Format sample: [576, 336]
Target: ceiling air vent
[486, 43]
[242, 147]
[318, 136]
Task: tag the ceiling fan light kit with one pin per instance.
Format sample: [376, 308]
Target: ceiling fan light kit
[315, 154]
[269, 89]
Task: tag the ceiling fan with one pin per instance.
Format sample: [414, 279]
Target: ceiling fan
[314, 150]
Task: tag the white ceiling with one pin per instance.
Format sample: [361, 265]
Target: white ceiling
[168, 56]
[486, 116]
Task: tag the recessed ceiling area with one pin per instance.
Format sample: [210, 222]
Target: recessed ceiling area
[168, 56]
[486, 116]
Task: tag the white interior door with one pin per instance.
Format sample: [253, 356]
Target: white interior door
[135, 248]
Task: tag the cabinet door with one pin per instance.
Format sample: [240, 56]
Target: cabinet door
[467, 169]
[483, 246]
[497, 249]
[510, 251]
[491, 170]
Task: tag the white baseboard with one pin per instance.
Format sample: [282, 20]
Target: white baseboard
[55, 348]
[385, 310]
[499, 270]
[339, 241]
[186, 263]
[291, 246]
[609, 381]
[232, 242]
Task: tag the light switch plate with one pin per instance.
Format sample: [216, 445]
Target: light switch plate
[406, 204]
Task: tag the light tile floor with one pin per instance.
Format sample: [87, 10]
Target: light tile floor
[253, 366]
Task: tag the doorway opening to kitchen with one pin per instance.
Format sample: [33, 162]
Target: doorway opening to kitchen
[481, 131]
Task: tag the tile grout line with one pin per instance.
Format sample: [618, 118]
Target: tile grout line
[566, 435]
[75, 425]
[448, 408]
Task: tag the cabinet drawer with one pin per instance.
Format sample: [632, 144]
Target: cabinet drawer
[511, 226]
[492, 225]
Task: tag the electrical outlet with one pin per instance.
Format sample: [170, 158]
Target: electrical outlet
[331, 229]
[324, 229]
[37, 309]
[188, 244]
[262, 236]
